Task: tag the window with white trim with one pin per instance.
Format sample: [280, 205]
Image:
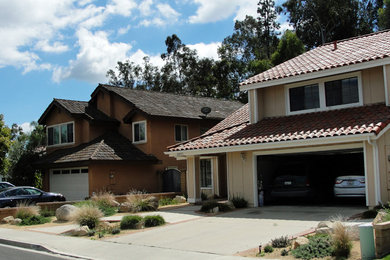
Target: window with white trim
[341, 92]
[181, 133]
[323, 94]
[60, 134]
[139, 132]
[205, 173]
[305, 97]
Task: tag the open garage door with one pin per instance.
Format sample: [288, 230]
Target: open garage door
[72, 183]
[309, 177]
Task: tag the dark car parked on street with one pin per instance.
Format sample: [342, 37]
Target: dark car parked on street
[11, 196]
[5, 184]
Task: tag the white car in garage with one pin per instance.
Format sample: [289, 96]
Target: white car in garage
[350, 186]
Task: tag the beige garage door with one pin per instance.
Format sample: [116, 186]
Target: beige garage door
[72, 183]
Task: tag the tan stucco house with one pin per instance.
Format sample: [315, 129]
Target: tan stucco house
[116, 140]
[326, 111]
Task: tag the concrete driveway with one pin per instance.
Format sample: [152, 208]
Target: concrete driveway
[232, 232]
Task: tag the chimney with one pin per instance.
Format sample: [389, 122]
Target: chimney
[335, 45]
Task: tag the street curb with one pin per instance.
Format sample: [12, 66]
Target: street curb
[37, 247]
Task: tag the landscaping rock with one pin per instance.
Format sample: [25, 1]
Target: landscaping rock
[353, 232]
[379, 217]
[180, 199]
[300, 241]
[16, 221]
[124, 207]
[65, 212]
[325, 224]
[78, 232]
[230, 204]
[7, 220]
[324, 230]
[215, 210]
[115, 203]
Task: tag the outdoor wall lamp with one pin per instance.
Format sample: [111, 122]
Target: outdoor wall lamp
[243, 156]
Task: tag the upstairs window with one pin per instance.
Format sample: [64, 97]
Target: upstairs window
[60, 134]
[181, 133]
[139, 132]
[341, 92]
[305, 97]
[334, 92]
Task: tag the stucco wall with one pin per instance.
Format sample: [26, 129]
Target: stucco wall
[125, 177]
[384, 166]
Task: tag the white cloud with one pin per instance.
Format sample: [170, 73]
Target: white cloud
[217, 10]
[124, 30]
[144, 7]
[163, 14]
[27, 127]
[28, 27]
[206, 50]
[285, 26]
[56, 47]
[139, 55]
[96, 56]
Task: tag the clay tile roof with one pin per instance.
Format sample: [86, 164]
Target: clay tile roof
[350, 51]
[109, 147]
[174, 105]
[78, 108]
[343, 122]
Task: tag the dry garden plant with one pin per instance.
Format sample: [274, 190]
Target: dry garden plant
[88, 215]
[29, 214]
[138, 201]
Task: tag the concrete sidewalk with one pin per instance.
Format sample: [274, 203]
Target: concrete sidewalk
[85, 248]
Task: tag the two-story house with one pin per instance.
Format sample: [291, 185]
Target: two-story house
[326, 112]
[116, 141]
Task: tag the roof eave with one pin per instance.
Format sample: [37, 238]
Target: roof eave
[317, 74]
[274, 145]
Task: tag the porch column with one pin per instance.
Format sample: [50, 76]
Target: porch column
[193, 179]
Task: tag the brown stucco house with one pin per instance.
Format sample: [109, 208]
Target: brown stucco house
[325, 112]
[116, 141]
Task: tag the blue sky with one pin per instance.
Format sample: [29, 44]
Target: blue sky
[63, 48]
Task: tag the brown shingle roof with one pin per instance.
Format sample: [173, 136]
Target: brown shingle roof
[109, 147]
[173, 105]
[343, 122]
[78, 108]
[350, 51]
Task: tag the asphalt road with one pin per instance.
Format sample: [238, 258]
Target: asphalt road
[17, 253]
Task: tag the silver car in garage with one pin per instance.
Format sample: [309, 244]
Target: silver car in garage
[350, 186]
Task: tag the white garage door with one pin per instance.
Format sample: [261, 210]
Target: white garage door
[72, 183]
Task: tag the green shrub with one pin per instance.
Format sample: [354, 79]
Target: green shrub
[284, 252]
[153, 221]
[88, 216]
[115, 231]
[342, 244]
[369, 214]
[34, 220]
[239, 202]
[130, 222]
[167, 201]
[91, 232]
[268, 249]
[47, 213]
[203, 196]
[281, 242]
[319, 246]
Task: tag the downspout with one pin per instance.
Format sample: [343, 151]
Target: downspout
[376, 169]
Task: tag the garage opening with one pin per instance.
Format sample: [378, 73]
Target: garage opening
[310, 177]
